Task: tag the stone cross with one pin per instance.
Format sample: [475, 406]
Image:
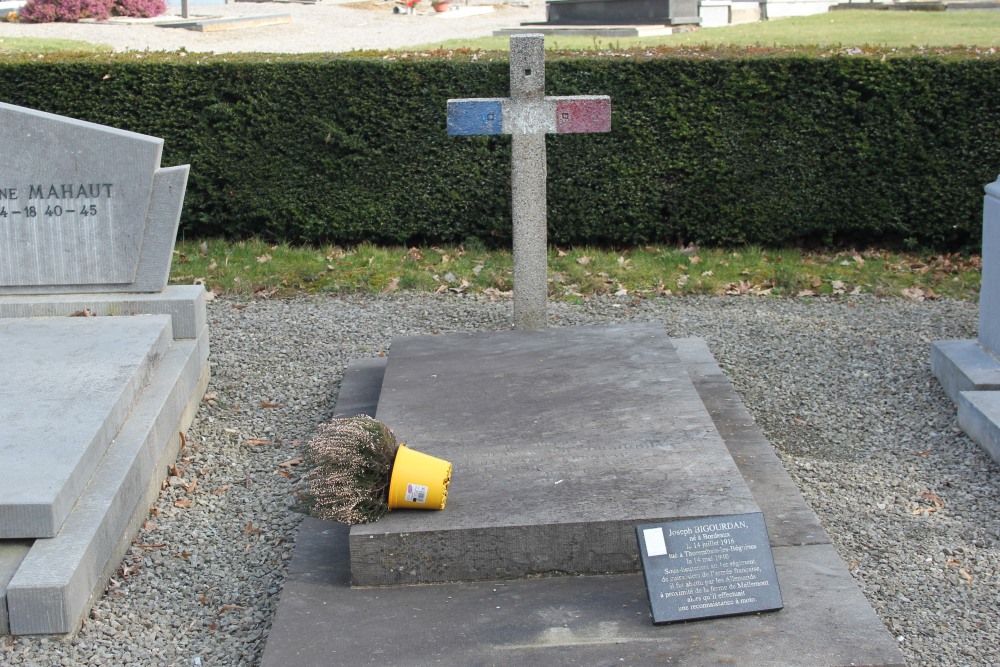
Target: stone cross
[528, 115]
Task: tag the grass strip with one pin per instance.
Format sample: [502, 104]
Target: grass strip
[255, 268]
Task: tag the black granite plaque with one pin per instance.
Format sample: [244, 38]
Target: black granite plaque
[706, 567]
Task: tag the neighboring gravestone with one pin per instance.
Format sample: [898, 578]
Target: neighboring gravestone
[83, 208]
[528, 115]
[92, 411]
[622, 12]
[708, 567]
[969, 370]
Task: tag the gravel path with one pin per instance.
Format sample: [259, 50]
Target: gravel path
[325, 27]
[841, 388]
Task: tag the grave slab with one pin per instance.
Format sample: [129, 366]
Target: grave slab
[561, 439]
[77, 380]
[184, 303]
[601, 619]
[59, 577]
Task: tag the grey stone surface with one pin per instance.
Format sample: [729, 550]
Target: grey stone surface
[596, 620]
[964, 365]
[561, 439]
[528, 115]
[88, 208]
[184, 303]
[989, 293]
[601, 619]
[360, 388]
[59, 577]
[12, 552]
[77, 380]
[790, 520]
[979, 417]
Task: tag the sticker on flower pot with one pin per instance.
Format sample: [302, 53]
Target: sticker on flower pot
[416, 493]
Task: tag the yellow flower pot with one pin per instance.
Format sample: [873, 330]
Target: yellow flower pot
[419, 481]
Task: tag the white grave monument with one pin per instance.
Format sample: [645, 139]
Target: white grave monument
[969, 370]
[528, 115]
[92, 406]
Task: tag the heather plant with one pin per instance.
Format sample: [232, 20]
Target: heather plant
[71, 11]
[143, 9]
[351, 463]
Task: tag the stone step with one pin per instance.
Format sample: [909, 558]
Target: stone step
[562, 440]
[77, 379]
[59, 577]
[964, 365]
[979, 417]
[12, 552]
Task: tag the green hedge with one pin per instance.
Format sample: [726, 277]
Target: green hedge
[770, 150]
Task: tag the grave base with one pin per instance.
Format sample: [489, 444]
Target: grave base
[970, 376]
[597, 619]
[48, 584]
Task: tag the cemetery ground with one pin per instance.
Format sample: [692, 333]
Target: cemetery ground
[828, 352]
[839, 385]
[372, 26]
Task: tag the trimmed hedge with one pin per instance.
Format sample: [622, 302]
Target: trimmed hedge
[772, 150]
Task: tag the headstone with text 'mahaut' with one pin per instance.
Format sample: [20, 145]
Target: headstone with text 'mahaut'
[93, 408]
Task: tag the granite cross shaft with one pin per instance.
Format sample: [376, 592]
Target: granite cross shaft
[528, 115]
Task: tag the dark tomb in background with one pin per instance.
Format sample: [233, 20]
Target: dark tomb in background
[622, 12]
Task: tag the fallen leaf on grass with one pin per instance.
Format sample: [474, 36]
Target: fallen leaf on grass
[391, 286]
[583, 260]
[264, 259]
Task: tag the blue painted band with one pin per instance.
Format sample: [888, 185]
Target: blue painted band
[466, 117]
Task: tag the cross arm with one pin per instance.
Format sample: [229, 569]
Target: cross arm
[550, 115]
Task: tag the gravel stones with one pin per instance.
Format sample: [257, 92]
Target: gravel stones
[842, 388]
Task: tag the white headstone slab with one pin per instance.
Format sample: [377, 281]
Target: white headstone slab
[83, 207]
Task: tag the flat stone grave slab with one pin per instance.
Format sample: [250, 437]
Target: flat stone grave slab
[592, 620]
[76, 380]
[562, 440]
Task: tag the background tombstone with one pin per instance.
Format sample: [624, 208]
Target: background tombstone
[94, 413]
[528, 115]
[969, 370]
